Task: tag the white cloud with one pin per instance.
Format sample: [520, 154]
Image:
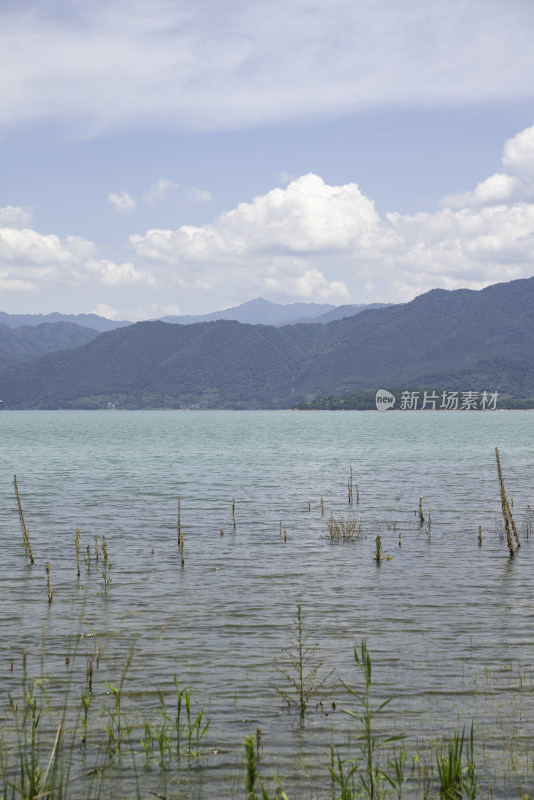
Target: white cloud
[15, 217]
[276, 242]
[306, 241]
[103, 310]
[119, 65]
[30, 260]
[163, 189]
[518, 157]
[315, 241]
[122, 202]
[515, 183]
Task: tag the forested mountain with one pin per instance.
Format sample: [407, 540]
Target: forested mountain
[29, 342]
[461, 339]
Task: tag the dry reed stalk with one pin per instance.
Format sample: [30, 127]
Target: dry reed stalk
[421, 515]
[280, 527]
[50, 595]
[180, 532]
[222, 532]
[357, 495]
[400, 539]
[378, 548]
[233, 511]
[25, 536]
[285, 535]
[78, 551]
[350, 486]
[309, 505]
[479, 535]
[509, 524]
[322, 506]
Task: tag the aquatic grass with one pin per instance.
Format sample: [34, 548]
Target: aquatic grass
[344, 530]
[251, 764]
[456, 773]
[302, 673]
[371, 743]
[116, 731]
[105, 570]
[421, 513]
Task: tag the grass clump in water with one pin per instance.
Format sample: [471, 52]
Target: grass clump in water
[344, 530]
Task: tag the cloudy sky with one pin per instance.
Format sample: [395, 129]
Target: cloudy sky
[180, 156]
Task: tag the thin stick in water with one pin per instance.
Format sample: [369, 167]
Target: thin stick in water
[50, 595]
[25, 536]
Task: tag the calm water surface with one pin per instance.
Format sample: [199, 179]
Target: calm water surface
[449, 624]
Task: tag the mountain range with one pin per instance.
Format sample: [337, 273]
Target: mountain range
[255, 312]
[463, 339]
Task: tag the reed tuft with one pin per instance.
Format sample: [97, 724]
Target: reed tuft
[344, 530]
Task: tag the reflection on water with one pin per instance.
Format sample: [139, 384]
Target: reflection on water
[449, 624]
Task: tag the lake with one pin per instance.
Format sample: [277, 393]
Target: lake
[448, 622]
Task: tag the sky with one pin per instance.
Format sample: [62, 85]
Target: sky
[180, 156]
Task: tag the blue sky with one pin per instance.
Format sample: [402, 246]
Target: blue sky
[179, 157]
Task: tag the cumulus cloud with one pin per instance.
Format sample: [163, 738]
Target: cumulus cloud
[122, 202]
[514, 183]
[15, 217]
[30, 260]
[310, 240]
[273, 241]
[95, 66]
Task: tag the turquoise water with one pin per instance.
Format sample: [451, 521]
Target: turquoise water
[449, 624]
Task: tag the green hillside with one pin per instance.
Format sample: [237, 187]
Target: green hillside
[463, 339]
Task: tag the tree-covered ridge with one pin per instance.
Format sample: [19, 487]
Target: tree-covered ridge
[463, 340]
